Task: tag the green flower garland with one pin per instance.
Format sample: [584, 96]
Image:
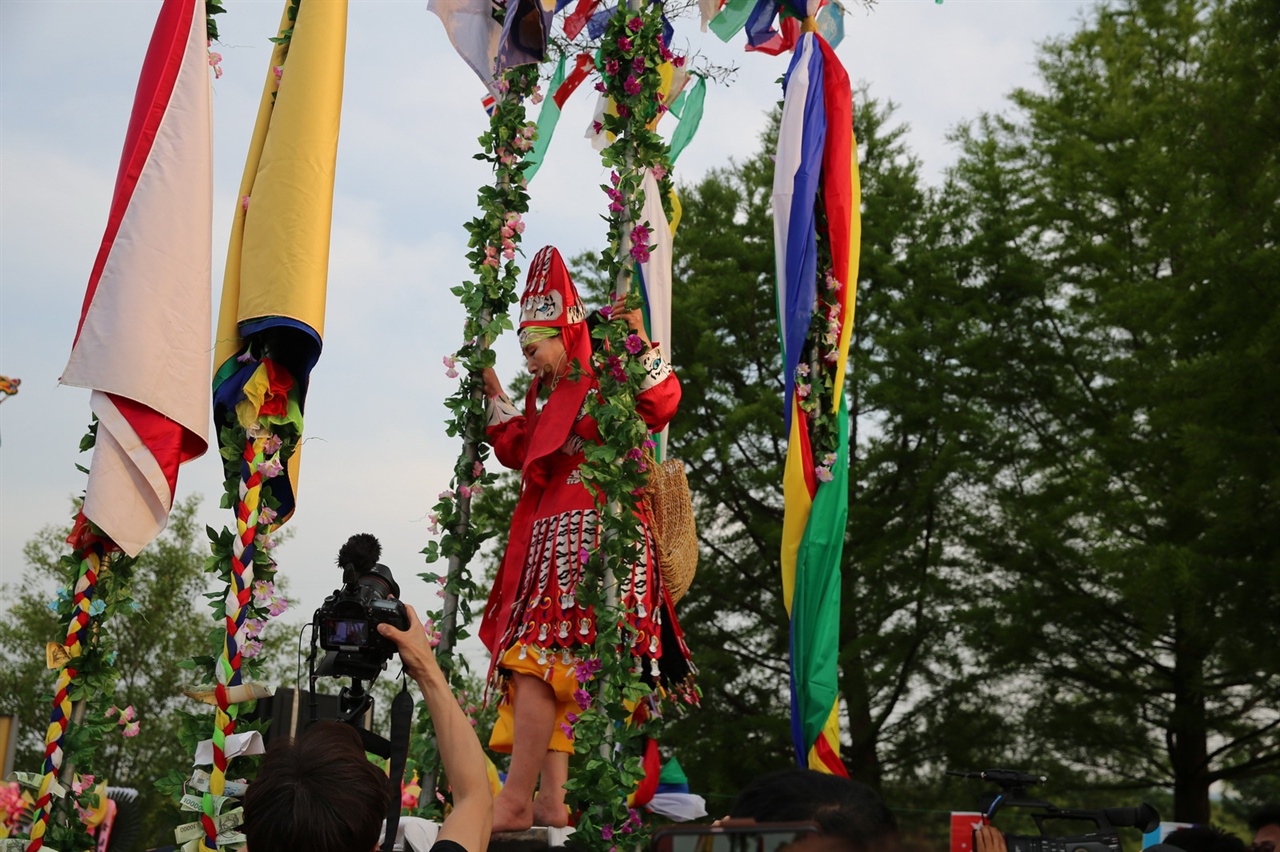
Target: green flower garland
[87, 680]
[487, 297]
[610, 732]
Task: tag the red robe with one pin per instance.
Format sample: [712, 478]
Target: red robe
[533, 603]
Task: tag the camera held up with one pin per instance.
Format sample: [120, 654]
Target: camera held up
[1055, 823]
[347, 622]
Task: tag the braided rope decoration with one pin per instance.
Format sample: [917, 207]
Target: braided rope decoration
[239, 596]
[77, 638]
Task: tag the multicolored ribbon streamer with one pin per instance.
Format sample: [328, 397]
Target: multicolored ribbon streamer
[91, 564]
[816, 163]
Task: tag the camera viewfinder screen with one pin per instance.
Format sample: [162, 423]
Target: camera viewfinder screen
[347, 631]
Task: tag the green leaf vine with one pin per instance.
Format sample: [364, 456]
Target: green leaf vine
[610, 732]
[486, 297]
[91, 676]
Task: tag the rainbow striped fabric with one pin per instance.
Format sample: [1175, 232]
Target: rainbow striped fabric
[816, 171]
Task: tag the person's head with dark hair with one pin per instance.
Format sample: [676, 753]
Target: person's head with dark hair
[1265, 825]
[1204, 838]
[841, 808]
[318, 793]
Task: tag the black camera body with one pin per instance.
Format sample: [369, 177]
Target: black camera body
[1099, 834]
[347, 622]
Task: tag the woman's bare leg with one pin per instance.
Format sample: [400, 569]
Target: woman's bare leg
[549, 808]
[534, 716]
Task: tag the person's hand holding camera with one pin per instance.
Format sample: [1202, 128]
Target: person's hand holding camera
[988, 838]
[464, 762]
[415, 648]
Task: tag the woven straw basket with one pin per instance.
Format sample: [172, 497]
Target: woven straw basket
[674, 531]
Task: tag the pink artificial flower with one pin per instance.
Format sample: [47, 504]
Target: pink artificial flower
[640, 252]
[111, 712]
[131, 729]
[640, 235]
[464, 492]
[607, 832]
[266, 515]
[607, 312]
[649, 443]
[263, 592]
[624, 44]
[638, 65]
[583, 698]
[586, 670]
[433, 521]
[215, 62]
[477, 470]
[584, 556]
[601, 87]
[445, 495]
[635, 453]
[631, 86]
[272, 445]
[568, 731]
[634, 344]
[633, 818]
[597, 127]
[636, 24]
[678, 61]
[658, 172]
[611, 67]
[571, 718]
[271, 468]
[824, 474]
[278, 70]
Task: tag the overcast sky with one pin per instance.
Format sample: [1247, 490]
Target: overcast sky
[376, 453]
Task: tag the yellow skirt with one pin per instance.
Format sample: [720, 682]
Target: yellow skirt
[561, 679]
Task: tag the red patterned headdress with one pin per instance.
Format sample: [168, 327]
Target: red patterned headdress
[550, 299]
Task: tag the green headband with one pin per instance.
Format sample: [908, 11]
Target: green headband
[534, 333]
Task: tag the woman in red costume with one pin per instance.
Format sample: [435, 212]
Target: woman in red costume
[533, 623]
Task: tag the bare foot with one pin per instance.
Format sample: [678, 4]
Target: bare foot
[550, 811]
[509, 815]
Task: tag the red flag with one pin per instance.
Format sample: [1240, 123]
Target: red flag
[143, 342]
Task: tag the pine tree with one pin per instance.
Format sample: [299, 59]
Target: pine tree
[1123, 230]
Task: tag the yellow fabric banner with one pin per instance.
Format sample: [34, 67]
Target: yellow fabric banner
[278, 257]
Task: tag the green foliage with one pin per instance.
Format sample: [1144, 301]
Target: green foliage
[1122, 232]
[141, 666]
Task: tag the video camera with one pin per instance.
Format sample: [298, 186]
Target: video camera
[347, 622]
[1102, 837]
